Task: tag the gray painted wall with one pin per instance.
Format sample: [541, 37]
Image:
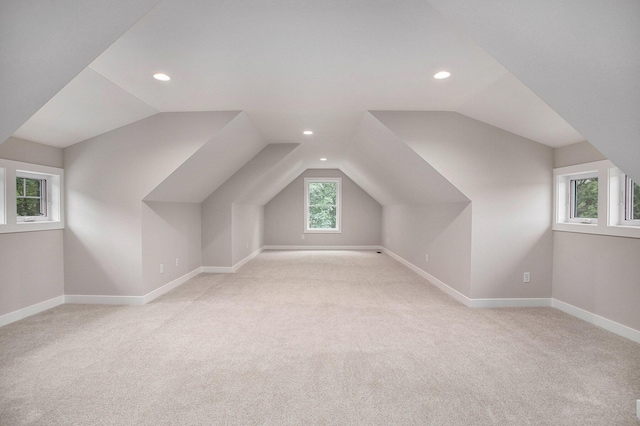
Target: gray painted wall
[577, 153]
[31, 152]
[284, 215]
[228, 226]
[170, 231]
[597, 273]
[247, 227]
[108, 177]
[23, 283]
[440, 230]
[509, 182]
[26, 276]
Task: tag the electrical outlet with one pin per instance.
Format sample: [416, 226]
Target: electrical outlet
[177, 262]
[527, 277]
[247, 245]
[426, 257]
[302, 237]
[162, 268]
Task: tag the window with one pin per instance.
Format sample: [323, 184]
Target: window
[577, 196]
[322, 204]
[596, 198]
[31, 197]
[624, 201]
[631, 201]
[583, 199]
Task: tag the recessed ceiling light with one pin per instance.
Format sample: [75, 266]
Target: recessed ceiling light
[323, 159]
[308, 132]
[442, 75]
[162, 77]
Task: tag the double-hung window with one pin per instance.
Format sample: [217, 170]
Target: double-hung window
[322, 205]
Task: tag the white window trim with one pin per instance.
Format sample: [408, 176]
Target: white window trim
[55, 187]
[338, 228]
[608, 201]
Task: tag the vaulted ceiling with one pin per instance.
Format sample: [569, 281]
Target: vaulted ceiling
[74, 71]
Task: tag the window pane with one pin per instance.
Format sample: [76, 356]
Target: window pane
[33, 187]
[322, 193]
[20, 186]
[585, 197]
[635, 214]
[28, 206]
[321, 217]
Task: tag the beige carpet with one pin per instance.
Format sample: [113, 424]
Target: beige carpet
[314, 338]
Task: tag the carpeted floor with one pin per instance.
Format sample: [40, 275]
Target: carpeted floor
[313, 338]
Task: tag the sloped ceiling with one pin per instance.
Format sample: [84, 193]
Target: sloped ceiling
[304, 65]
[250, 175]
[391, 172]
[291, 66]
[45, 44]
[581, 57]
[210, 166]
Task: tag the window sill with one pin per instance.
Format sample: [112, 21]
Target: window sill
[598, 229]
[323, 231]
[31, 227]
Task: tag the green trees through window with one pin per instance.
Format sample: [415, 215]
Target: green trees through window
[585, 198]
[322, 205]
[30, 200]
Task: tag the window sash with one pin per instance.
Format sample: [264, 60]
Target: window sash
[631, 202]
[331, 207]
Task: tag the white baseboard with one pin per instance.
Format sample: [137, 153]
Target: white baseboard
[30, 310]
[594, 319]
[231, 269]
[95, 299]
[607, 324]
[130, 300]
[529, 302]
[433, 280]
[276, 247]
[170, 286]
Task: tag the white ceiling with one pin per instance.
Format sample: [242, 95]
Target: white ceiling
[293, 66]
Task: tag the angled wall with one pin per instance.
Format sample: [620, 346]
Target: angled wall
[284, 215]
[171, 237]
[108, 177]
[423, 213]
[232, 223]
[508, 180]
